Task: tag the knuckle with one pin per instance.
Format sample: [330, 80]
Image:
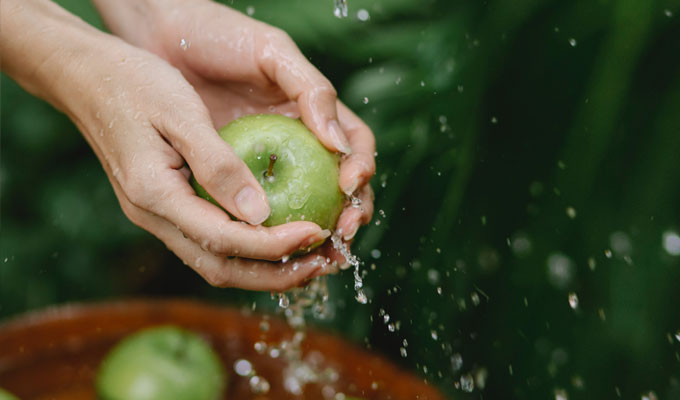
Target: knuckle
[220, 279]
[327, 88]
[220, 170]
[283, 284]
[131, 212]
[136, 189]
[280, 34]
[217, 247]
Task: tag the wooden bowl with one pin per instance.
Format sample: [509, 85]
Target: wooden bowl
[54, 354]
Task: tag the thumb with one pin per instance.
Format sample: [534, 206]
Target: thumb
[219, 170]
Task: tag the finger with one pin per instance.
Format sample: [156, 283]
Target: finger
[235, 272]
[215, 165]
[357, 168]
[213, 230]
[354, 216]
[332, 259]
[284, 64]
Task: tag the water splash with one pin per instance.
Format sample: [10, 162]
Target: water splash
[467, 383]
[340, 8]
[340, 246]
[259, 385]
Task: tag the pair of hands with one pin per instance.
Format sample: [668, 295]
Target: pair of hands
[150, 104]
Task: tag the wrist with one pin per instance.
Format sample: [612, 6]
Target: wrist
[47, 51]
[137, 21]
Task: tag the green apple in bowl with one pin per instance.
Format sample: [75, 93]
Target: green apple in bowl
[5, 395]
[161, 363]
[298, 174]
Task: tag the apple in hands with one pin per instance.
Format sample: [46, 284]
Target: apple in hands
[162, 363]
[298, 174]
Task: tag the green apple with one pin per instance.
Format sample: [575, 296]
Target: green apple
[298, 174]
[5, 395]
[161, 363]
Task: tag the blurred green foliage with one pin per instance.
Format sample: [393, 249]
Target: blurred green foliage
[526, 150]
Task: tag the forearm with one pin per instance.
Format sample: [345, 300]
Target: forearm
[44, 48]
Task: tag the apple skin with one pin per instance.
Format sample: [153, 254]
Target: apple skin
[304, 185]
[5, 395]
[161, 363]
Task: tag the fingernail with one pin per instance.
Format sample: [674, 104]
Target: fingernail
[352, 187]
[338, 137]
[252, 205]
[317, 237]
[351, 231]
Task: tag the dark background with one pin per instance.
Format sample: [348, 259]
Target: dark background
[520, 142]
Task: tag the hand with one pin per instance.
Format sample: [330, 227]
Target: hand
[143, 120]
[241, 66]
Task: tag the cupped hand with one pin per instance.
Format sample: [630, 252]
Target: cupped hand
[143, 120]
[241, 66]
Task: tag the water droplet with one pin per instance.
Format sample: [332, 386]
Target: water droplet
[494, 120]
[243, 367]
[573, 301]
[403, 352]
[284, 301]
[671, 243]
[356, 202]
[264, 326]
[571, 212]
[475, 298]
[363, 15]
[456, 362]
[668, 13]
[361, 297]
[608, 253]
[467, 384]
[250, 10]
[560, 270]
[260, 347]
[601, 314]
[433, 276]
[433, 335]
[649, 396]
[258, 385]
[375, 253]
[677, 335]
[620, 243]
[591, 263]
[184, 44]
[340, 8]
[572, 42]
[422, 83]
[561, 394]
[520, 244]
[365, 100]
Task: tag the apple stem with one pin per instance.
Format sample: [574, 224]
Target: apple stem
[272, 160]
